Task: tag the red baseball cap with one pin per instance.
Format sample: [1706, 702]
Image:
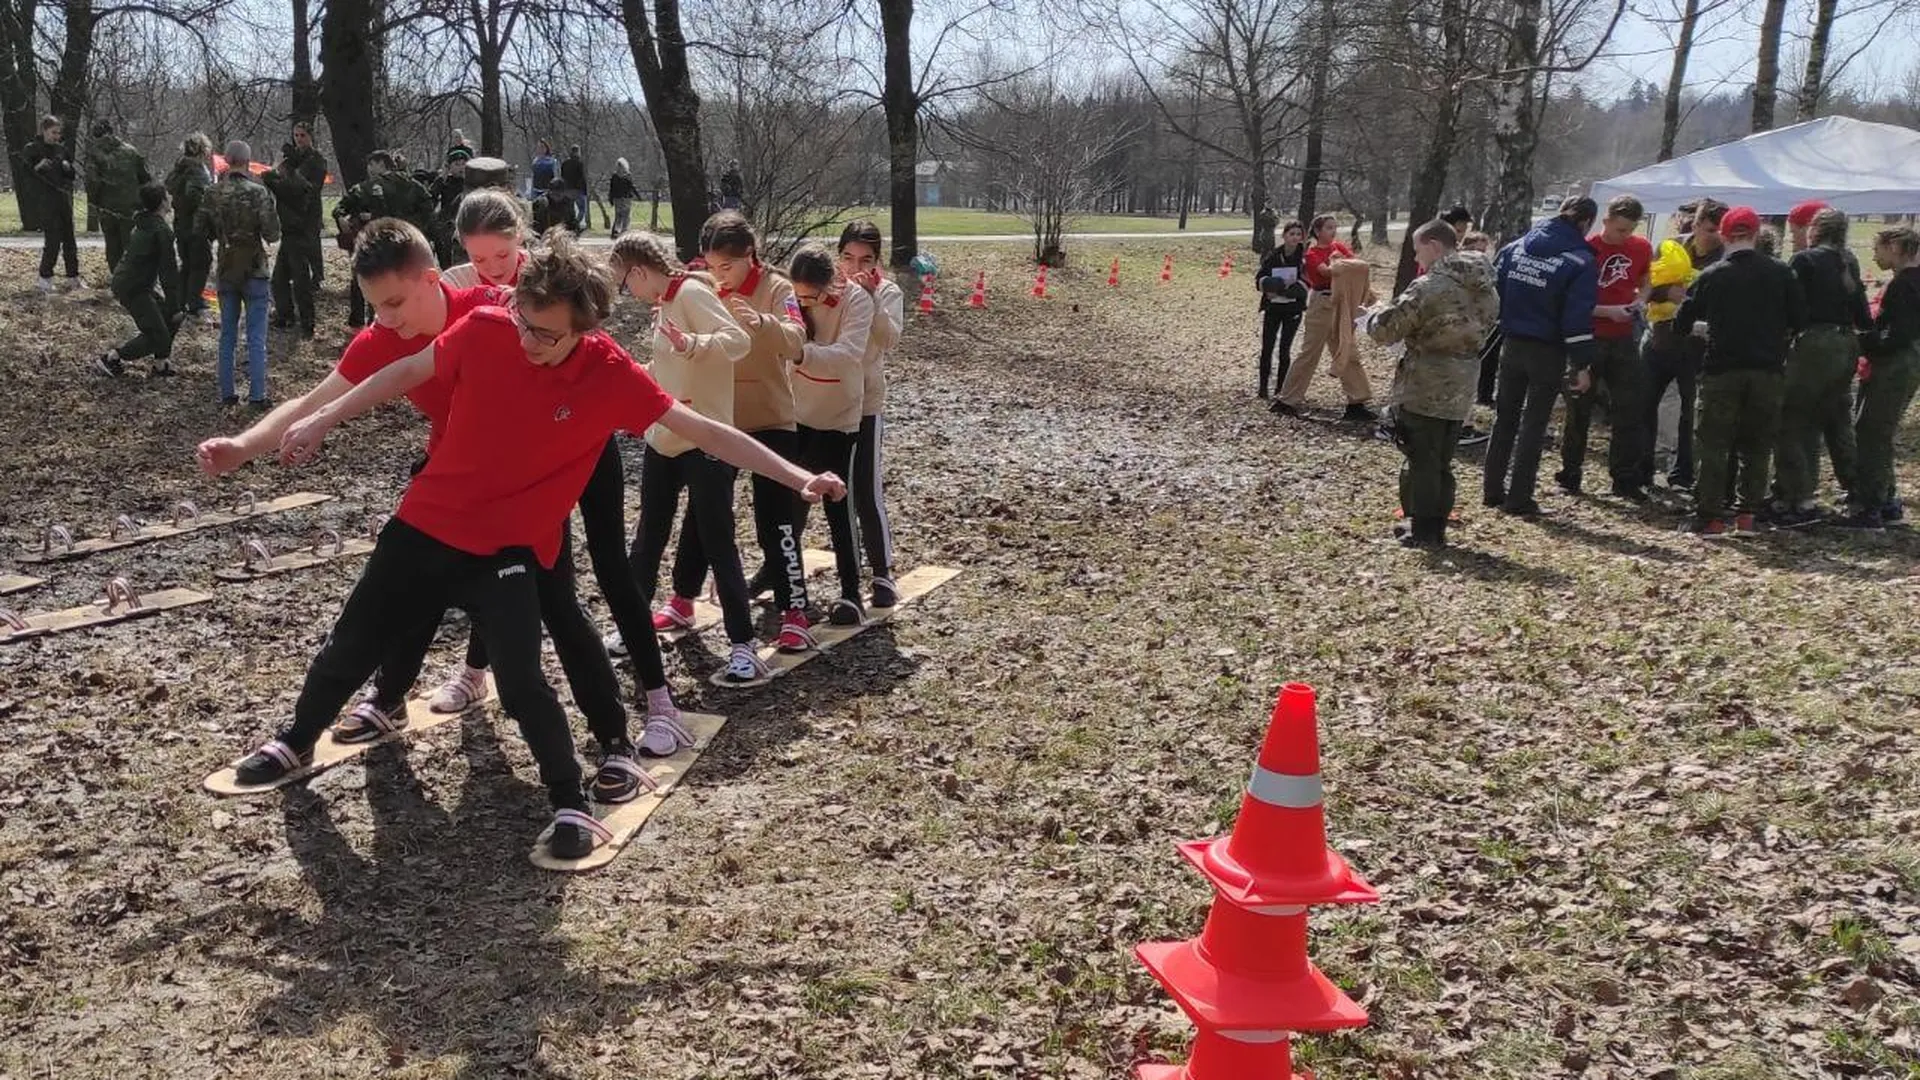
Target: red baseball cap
[1803, 214]
[1740, 221]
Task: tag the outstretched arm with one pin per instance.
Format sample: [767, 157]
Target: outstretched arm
[224, 454]
[740, 450]
[302, 440]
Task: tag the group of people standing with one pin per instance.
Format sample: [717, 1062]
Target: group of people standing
[778, 372]
[1773, 361]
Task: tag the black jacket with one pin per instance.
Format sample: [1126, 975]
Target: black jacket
[52, 165]
[573, 173]
[1290, 297]
[620, 186]
[1898, 326]
[1752, 305]
[1835, 294]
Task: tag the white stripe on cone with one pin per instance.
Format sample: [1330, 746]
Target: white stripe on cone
[1282, 790]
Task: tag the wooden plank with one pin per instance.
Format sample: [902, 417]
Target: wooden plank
[128, 533]
[293, 560]
[41, 624]
[707, 615]
[327, 753]
[627, 819]
[13, 583]
[913, 585]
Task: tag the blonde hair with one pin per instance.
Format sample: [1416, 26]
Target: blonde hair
[489, 210]
[642, 249]
[559, 271]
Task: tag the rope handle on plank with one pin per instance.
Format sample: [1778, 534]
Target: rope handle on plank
[246, 505]
[120, 591]
[12, 620]
[255, 554]
[56, 534]
[123, 527]
[329, 544]
[375, 522]
[185, 512]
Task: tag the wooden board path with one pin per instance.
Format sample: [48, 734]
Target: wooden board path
[257, 561]
[626, 820]
[13, 583]
[57, 544]
[914, 584]
[120, 605]
[327, 753]
[707, 614]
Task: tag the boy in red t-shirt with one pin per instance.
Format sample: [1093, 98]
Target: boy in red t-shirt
[536, 391]
[1623, 258]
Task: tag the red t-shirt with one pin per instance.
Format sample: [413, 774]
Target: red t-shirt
[1314, 267]
[521, 439]
[372, 349]
[1622, 268]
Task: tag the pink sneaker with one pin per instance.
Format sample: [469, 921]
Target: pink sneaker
[677, 615]
[795, 634]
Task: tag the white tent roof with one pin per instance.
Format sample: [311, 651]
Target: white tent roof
[1854, 165]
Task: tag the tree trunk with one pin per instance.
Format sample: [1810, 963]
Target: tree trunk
[903, 127]
[1430, 181]
[17, 85]
[1515, 130]
[493, 128]
[1812, 83]
[306, 90]
[68, 97]
[1380, 203]
[347, 82]
[660, 57]
[1310, 164]
[1677, 79]
[1766, 74]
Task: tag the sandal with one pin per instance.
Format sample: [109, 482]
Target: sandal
[575, 834]
[368, 721]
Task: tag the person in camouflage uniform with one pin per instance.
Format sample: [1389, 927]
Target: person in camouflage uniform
[50, 170]
[241, 216]
[386, 192]
[1442, 319]
[1818, 399]
[147, 263]
[1888, 382]
[446, 189]
[296, 184]
[115, 174]
[187, 182]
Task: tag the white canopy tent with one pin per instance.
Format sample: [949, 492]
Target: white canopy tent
[1853, 165]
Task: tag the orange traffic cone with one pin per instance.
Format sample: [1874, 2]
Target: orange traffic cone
[926, 295]
[1113, 275]
[1226, 265]
[979, 297]
[1277, 853]
[1166, 269]
[1239, 1056]
[1247, 971]
[1040, 283]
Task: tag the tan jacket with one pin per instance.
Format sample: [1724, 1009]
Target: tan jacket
[829, 384]
[702, 377]
[889, 316]
[762, 385]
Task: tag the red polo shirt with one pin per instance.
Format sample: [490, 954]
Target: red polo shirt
[372, 349]
[521, 439]
[1314, 265]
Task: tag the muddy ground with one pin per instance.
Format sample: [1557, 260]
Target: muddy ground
[1638, 807]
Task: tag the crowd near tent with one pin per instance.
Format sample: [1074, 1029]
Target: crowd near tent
[1853, 165]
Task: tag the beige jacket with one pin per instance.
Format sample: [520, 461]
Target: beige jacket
[889, 316]
[762, 385]
[829, 384]
[702, 377]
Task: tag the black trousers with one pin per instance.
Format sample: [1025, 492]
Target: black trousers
[776, 525]
[57, 240]
[869, 497]
[196, 265]
[1489, 366]
[831, 451]
[708, 483]
[409, 581]
[1668, 364]
[1618, 368]
[153, 334]
[1282, 322]
[293, 282]
[356, 303]
[1531, 375]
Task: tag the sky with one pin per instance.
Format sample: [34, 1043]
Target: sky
[1643, 49]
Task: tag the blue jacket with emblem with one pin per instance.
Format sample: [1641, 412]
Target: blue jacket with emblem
[1548, 285]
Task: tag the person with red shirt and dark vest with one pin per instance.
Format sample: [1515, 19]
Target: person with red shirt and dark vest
[761, 301]
[536, 390]
[1622, 258]
[1317, 332]
[695, 347]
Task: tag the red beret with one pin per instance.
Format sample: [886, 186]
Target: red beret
[1803, 214]
[1740, 221]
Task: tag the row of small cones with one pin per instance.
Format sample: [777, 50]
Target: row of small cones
[1039, 291]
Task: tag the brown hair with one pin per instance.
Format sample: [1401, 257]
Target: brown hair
[388, 245]
[1438, 231]
[644, 249]
[862, 231]
[812, 265]
[1626, 206]
[1710, 211]
[559, 271]
[1313, 230]
[1767, 242]
[1828, 227]
[1903, 239]
[728, 233]
[1475, 240]
[492, 211]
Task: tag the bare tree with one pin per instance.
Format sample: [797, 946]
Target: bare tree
[1540, 42]
[659, 47]
[1766, 74]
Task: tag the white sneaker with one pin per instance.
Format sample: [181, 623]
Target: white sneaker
[462, 692]
[46, 284]
[665, 735]
[616, 646]
[745, 664]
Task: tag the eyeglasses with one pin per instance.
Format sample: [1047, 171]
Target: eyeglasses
[543, 336]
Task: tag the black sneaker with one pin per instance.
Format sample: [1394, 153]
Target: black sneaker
[1493, 499]
[885, 595]
[1473, 436]
[307, 331]
[279, 323]
[619, 779]
[1860, 518]
[261, 405]
[1680, 483]
[230, 401]
[1568, 482]
[1281, 408]
[1633, 493]
[161, 370]
[1528, 509]
[575, 834]
[1894, 512]
[846, 612]
[1788, 517]
[270, 764]
[1359, 414]
[109, 364]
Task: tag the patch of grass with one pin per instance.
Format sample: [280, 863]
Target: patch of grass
[1861, 940]
[838, 995]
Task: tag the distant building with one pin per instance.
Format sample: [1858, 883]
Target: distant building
[928, 177]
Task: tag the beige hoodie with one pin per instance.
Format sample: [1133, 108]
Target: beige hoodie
[702, 377]
[762, 387]
[829, 384]
[889, 316]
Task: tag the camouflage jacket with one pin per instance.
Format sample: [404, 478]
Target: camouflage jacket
[296, 184]
[240, 215]
[187, 183]
[1442, 319]
[115, 171]
[149, 261]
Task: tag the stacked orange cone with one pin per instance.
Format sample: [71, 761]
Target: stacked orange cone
[979, 297]
[1040, 283]
[1246, 981]
[926, 295]
[1226, 266]
[1166, 269]
[1113, 275]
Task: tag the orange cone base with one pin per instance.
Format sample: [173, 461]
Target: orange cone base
[1179, 1072]
[1224, 1001]
[1333, 883]
[1216, 1056]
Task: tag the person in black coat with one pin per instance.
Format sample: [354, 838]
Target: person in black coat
[50, 165]
[1283, 299]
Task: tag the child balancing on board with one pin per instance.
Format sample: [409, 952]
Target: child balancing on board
[1441, 318]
